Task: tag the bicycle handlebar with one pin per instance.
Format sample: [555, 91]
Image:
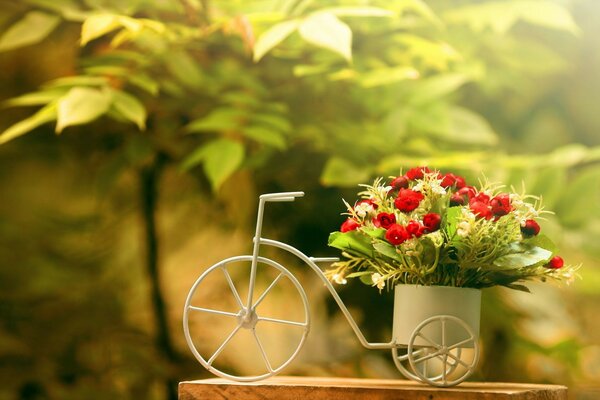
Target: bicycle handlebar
[284, 196]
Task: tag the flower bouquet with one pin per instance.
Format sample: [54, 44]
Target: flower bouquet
[437, 241]
[433, 229]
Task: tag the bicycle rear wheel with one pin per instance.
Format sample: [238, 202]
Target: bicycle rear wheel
[216, 311]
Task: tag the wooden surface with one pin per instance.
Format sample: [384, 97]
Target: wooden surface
[307, 388]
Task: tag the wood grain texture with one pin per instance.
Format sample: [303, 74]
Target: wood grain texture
[308, 388]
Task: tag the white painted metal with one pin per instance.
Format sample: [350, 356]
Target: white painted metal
[247, 318]
[420, 347]
[443, 345]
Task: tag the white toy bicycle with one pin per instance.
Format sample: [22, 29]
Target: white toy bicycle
[436, 343]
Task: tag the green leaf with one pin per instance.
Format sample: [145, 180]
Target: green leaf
[45, 114]
[434, 88]
[221, 158]
[35, 98]
[80, 106]
[273, 121]
[543, 242]
[272, 37]
[530, 256]
[144, 82]
[341, 172]
[500, 16]
[386, 76]
[327, 31]
[359, 11]
[580, 206]
[31, 29]
[470, 128]
[357, 274]
[266, 136]
[387, 250]
[221, 119]
[184, 68]
[450, 220]
[98, 25]
[353, 242]
[129, 107]
[378, 233]
[79, 80]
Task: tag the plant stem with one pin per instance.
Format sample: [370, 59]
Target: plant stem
[149, 177]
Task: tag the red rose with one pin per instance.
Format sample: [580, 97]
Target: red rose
[555, 262]
[448, 180]
[367, 201]
[384, 220]
[396, 234]
[480, 209]
[530, 228]
[414, 229]
[400, 182]
[432, 222]
[459, 182]
[408, 200]
[501, 205]
[417, 173]
[468, 191]
[349, 225]
[481, 197]
[456, 200]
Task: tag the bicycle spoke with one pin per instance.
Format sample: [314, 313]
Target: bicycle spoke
[232, 287]
[458, 360]
[459, 344]
[437, 346]
[222, 346]
[427, 357]
[443, 332]
[262, 351]
[445, 360]
[282, 321]
[211, 311]
[264, 294]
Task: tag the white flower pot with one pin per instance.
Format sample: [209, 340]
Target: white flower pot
[414, 304]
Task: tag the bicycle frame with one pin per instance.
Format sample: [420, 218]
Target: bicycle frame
[311, 261]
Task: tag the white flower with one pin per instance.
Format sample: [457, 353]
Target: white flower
[363, 209]
[378, 280]
[339, 279]
[437, 188]
[464, 228]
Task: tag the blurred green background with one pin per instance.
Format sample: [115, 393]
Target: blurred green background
[174, 115]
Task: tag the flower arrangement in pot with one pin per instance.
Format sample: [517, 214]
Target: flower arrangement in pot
[437, 241]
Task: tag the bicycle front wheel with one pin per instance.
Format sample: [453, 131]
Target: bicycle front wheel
[243, 343]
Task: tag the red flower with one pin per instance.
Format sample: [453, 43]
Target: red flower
[408, 200]
[367, 201]
[530, 228]
[414, 229]
[468, 191]
[481, 197]
[459, 182]
[349, 225]
[448, 180]
[400, 182]
[417, 173]
[384, 220]
[482, 210]
[396, 234]
[456, 200]
[555, 262]
[501, 205]
[432, 222]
